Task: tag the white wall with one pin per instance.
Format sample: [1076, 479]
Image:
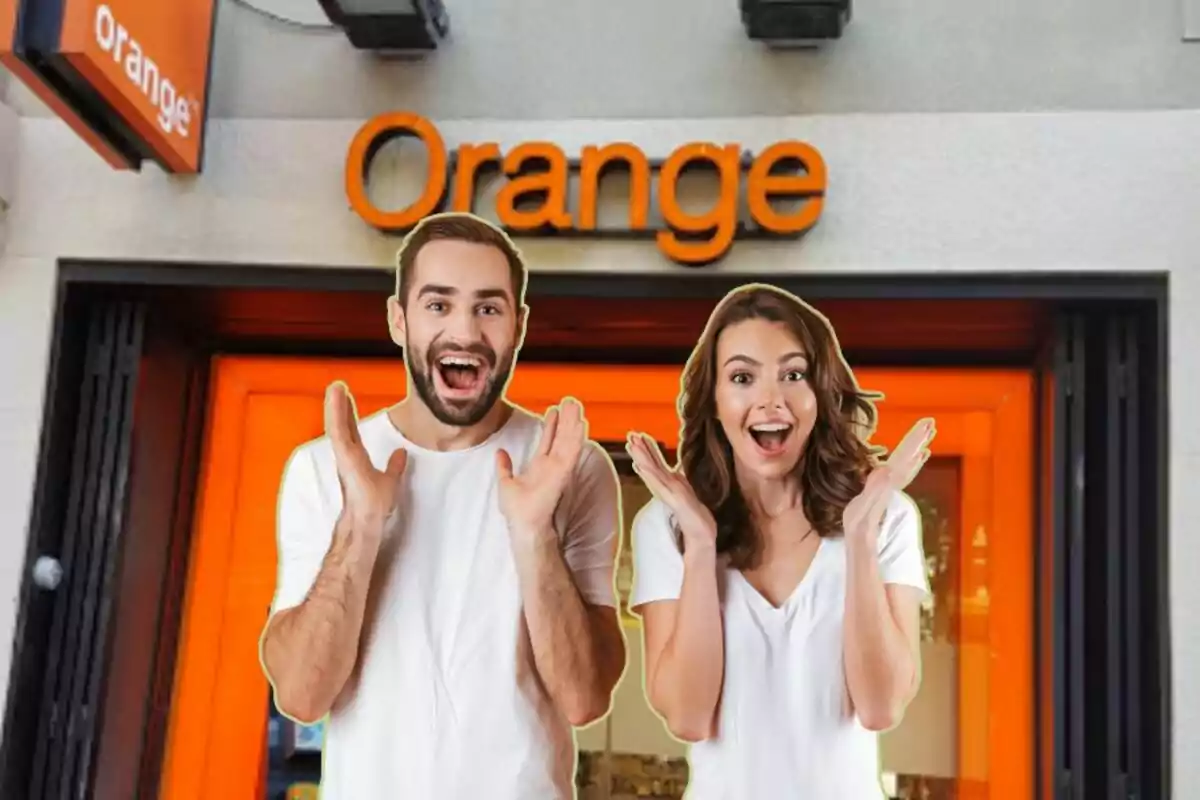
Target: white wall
[515, 59]
[921, 193]
[26, 294]
[1109, 191]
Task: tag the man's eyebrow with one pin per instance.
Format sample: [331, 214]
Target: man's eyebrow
[434, 288]
[450, 291]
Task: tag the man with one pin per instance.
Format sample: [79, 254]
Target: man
[445, 589]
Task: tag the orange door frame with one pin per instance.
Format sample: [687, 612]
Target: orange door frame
[260, 409]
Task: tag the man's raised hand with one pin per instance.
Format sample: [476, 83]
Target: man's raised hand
[528, 500]
[369, 495]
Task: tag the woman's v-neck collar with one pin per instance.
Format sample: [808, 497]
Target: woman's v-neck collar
[796, 591]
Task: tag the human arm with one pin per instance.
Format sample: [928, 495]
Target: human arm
[578, 647]
[885, 584]
[563, 513]
[310, 644]
[567, 591]
[676, 594]
[310, 650]
[882, 624]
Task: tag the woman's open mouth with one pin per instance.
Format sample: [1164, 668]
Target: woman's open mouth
[771, 437]
[460, 376]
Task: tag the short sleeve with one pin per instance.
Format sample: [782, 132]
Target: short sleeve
[657, 561]
[901, 555]
[593, 521]
[303, 533]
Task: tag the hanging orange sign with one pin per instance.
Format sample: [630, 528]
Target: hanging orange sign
[150, 63]
[130, 77]
[539, 195]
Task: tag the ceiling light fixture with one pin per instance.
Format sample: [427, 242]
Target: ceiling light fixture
[390, 26]
[794, 23]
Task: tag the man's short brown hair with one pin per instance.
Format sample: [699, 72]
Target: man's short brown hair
[462, 227]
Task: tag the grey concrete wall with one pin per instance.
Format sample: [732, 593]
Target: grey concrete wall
[520, 59]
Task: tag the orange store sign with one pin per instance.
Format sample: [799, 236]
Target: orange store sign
[129, 76]
[547, 192]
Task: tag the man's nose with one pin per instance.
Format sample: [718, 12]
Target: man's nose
[463, 327]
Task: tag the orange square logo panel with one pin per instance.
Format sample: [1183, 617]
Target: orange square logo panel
[149, 61]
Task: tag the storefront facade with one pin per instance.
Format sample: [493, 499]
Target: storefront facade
[969, 254]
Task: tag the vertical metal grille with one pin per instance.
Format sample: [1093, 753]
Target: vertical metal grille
[1068, 486]
[80, 629]
[1126, 641]
[1105, 534]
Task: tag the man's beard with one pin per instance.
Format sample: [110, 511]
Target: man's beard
[464, 413]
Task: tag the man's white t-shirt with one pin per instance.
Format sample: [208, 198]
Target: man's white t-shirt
[785, 722]
[446, 702]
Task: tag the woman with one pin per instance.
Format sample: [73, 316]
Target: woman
[778, 571]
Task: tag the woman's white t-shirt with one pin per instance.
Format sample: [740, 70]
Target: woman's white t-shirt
[786, 728]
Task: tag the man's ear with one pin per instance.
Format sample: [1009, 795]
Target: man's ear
[522, 322]
[397, 325]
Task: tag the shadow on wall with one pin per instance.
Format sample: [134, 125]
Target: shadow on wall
[10, 135]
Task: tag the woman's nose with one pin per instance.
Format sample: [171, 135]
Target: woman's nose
[770, 397]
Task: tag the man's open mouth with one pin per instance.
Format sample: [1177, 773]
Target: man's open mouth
[771, 436]
[461, 375]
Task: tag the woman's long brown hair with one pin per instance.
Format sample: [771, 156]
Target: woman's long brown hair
[836, 458]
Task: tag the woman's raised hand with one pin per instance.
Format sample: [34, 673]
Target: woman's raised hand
[864, 513]
[669, 485]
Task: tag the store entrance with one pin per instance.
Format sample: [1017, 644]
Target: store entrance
[969, 733]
